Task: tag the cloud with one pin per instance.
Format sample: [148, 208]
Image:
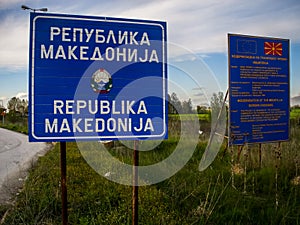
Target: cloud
[14, 43]
[22, 95]
[198, 88]
[7, 4]
[201, 26]
[2, 99]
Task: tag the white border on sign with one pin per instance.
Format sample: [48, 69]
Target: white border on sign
[95, 137]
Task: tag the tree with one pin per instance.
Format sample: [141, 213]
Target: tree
[170, 106]
[17, 108]
[202, 109]
[12, 104]
[187, 106]
[22, 107]
[176, 106]
[216, 105]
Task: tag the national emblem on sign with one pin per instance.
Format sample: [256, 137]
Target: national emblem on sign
[101, 81]
[272, 48]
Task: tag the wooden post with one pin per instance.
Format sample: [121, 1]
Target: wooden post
[277, 165]
[135, 188]
[63, 172]
[240, 149]
[259, 152]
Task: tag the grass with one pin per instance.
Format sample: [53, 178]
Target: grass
[214, 196]
[18, 127]
[295, 113]
[202, 117]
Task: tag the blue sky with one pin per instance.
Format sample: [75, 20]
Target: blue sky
[199, 27]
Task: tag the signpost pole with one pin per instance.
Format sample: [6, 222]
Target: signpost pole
[260, 157]
[135, 191]
[63, 171]
[277, 165]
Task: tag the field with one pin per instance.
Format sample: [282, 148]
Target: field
[228, 192]
[295, 113]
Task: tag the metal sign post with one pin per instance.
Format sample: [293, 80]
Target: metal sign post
[135, 188]
[3, 112]
[63, 172]
[3, 115]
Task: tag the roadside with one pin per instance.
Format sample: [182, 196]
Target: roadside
[17, 155]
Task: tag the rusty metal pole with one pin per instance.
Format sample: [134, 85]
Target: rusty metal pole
[63, 172]
[135, 188]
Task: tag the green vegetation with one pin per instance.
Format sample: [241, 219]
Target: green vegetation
[18, 127]
[15, 116]
[228, 192]
[295, 113]
[225, 193]
[202, 117]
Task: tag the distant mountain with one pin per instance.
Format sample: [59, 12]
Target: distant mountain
[295, 100]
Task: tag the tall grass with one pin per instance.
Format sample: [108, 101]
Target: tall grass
[189, 197]
[20, 127]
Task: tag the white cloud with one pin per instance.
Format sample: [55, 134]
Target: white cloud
[199, 94]
[14, 43]
[3, 98]
[22, 95]
[3, 101]
[201, 26]
[6, 4]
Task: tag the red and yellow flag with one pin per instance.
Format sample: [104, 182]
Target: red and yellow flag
[272, 48]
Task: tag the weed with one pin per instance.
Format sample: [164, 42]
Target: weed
[188, 197]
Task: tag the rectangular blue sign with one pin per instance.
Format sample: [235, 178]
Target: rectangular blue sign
[95, 78]
[259, 97]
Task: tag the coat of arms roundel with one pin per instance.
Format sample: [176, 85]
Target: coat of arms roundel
[101, 81]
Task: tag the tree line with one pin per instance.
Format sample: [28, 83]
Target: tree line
[176, 106]
[17, 108]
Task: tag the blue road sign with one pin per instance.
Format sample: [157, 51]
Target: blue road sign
[258, 89]
[96, 78]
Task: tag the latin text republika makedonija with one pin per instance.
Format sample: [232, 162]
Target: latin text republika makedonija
[92, 124]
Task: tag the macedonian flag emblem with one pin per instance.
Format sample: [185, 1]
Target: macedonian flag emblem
[272, 48]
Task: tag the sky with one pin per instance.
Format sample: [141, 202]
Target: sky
[198, 28]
